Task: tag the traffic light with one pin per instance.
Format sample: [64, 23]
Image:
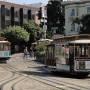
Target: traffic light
[40, 13]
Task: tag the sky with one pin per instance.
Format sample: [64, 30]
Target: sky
[27, 1]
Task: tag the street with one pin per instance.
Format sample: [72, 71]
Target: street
[22, 74]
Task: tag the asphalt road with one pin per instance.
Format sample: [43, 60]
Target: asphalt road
[27, 74]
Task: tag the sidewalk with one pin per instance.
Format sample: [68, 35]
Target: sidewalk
[20, 56]
[17, 56]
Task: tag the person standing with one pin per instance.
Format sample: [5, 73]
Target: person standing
[30, 52]
[34, 51]
[25, 52]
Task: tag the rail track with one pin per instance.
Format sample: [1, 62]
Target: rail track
[16, 80]
[40, 77]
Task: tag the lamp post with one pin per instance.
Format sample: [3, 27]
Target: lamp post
[44, 21]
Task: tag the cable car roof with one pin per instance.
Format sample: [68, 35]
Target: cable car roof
[83, 41]
[4, 42]
[45, 40]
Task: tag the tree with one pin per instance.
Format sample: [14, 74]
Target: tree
[30, 26]
[34, 30]
[16, 35]
[84, 23]
[55, 16]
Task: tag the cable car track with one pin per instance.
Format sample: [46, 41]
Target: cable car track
[9, 68]
[68, 84]
[8, 85]
[53, 79]
[49, 82]
[64, 82]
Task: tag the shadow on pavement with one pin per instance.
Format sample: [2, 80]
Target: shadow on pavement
[3, 61]
[38, 72]
[41, 72]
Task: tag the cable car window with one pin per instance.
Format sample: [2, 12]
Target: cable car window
[50, 52]
[1, 47]
[6, 47]
[57, 50]
[67, 52]
[60, 54]
[62, 51]
[82, 51]
[88, 51]
[71, 52]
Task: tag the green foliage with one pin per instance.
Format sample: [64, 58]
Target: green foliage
[1, 33]
[85, 24]
[49, 35]
[31, 26]
[77, 20]
[16, 34]
[34, 30]
[41, 47]
[55, 16]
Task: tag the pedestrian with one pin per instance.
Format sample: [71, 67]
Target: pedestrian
[25, 52]
[30, 52]
[34, 51]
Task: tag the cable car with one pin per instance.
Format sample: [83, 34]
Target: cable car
[71, 56]
[5, 49]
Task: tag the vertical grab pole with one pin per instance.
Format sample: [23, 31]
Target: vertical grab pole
[74, 51]
[74, 57]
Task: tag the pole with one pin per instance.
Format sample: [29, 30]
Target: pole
[44, 22]
[44, 28]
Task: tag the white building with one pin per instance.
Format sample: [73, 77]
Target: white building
[74, 9]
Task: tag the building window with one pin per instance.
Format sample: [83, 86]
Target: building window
[72, 13]
[16, 14]
[88, 9]
[3, 10]
[17, 23]
[72, 27]
[7, 11]
[7, 23]
[25, 16]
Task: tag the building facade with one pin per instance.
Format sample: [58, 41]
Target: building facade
[35, 9]
[73, 10]
[13, 14]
